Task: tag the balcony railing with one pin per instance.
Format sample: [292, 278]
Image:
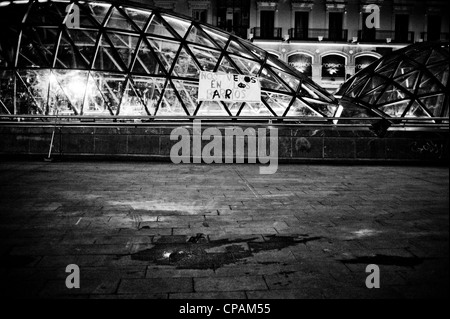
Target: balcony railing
[272, 34]
[444, 36]
[385, 36]
[318, 35]
[240, 31]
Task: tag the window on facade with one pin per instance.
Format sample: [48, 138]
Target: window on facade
[302, 63]
[233, 16]
[333, 66]
[267, 24]
[200, 15]
[434, 28]
[401, 27]
[335, 26]
[363, 61]
[301, 25]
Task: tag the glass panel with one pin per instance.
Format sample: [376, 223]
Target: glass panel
[157, 27]
[238, 49]
[371, 96]
[258, 52]
[98, 11]
[125, 46]
[352, 110]
[373, 83]
[219, 37]
[111, 87]
[95, 100]
[67, 56]
[434, 104]
[299, 108]
[7, 79]
[278, 64]
[440, 72]
[428, 85]
[32, 99]
[290, 80]
[119, 21]
[86, 19]
[170, 105]
[49, 14]
[405, 67]
[322, 107]
[277, 102]
[140, 17]
[206, 57]
[395, 109]
[255, 109]
[189, 93]
[269, 81]
[107, 58]
[234, 107]
[416, 111]
[179, 25]
[212, 108]
[391, 94]
[248, 67]
[436, 57]
[72, 85]
[146, 62]
[226, 67]
[165, 50]
[132, 103]
[408, 81]
[308, 90]
[387, 69]
[85, 42]
[419, 56]
[150, 91]
[198, 37]
[37, 47]
[185, 66]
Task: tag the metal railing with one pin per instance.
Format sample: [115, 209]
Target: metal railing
[443, 36]
[318, 34]
[363, 122]
[385, 36]
[272, 34]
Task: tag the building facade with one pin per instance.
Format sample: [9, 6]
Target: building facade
[327, 40]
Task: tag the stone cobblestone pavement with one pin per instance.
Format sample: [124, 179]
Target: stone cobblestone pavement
[154, 230]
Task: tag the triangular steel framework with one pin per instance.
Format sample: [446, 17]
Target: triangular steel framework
[120, 39]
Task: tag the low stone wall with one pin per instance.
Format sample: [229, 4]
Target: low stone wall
[295, 144]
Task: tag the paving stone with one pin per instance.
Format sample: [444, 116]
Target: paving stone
[155, 285]
[334, 221]
[229, 283]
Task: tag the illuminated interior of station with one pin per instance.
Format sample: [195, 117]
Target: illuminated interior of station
[134, 60]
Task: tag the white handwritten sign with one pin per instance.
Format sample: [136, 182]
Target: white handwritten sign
[228, 87]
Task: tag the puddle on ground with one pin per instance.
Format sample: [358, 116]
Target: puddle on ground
[385, 260]
[200, 253]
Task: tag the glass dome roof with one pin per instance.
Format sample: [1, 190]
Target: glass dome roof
[131, 59]
[411, 82]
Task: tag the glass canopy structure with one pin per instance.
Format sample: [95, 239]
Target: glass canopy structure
[411, 82]
[109, 58]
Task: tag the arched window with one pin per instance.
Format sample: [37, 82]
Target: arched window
[302, 62]
[363, 61]
[333, 66]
